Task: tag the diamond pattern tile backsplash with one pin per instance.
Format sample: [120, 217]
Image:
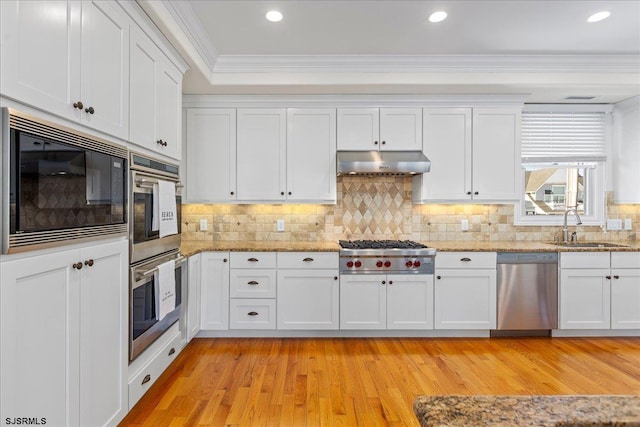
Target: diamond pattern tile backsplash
[380, 208]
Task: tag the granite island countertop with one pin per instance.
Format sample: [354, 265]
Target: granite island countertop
[513, 411]
[189, 248]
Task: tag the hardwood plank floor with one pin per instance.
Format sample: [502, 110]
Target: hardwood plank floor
[371, 382]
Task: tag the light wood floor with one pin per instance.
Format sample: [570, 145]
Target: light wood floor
[371, 382]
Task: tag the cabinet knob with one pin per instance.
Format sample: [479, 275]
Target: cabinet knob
[282, 193]
[89, 263]
[224, 260]
[608, 277]
[391, 282]
[384, 142]
[79, 105]
[475, 192]
[375, 142]
[252, 313]
[384, 282]
[289, 193]
[252, 283]
[77, 266]
[172, 351]
[438, 277]
[468, 193]
[616, 277]
[335, 277]
[232, 193]
[89, 110]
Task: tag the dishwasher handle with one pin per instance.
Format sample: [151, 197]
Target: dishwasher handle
[527, 258]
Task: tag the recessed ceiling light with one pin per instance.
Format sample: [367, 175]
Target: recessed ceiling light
[599, 16]
[438, 16]
[274, 16]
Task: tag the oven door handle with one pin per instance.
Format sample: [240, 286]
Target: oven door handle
[179, 261]
[150, 182]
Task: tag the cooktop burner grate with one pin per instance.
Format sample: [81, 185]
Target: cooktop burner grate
[381, 244]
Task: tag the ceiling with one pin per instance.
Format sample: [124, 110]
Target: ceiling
[542, 48]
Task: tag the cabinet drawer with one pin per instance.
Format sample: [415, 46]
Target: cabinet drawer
[253, 259]
[252, 284]
[144, 379]
[252, 314]
[301, 260]
[585, 260]
[459, 260]
[625, 259]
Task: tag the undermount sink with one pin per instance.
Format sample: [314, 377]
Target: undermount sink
[590, 245]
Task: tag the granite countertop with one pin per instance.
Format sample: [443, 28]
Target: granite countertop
[505, 411]
[189, 248]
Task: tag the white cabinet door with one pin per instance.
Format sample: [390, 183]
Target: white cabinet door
[363, 301]
[585, 299]
[211, 154]
[358, 129]
[311, 154]
[447, 143]
[38, 51]
[104, 74]
[308, 299]
[168, 111]
[626, 151]
[261, 151]
[193, 297]
[104, 296]
[496, 154]
[625, 298]
[409, 301]
[40, 348]
[64, 336]
[401, 129]
[465, 299]
[214, 290]
[143, 78]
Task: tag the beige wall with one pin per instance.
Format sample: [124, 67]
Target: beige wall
[381, 208]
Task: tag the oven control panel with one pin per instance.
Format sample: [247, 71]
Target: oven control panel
[386, 264]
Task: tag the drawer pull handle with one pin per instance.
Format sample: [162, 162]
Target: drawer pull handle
[308, 260]
[146, 379]
[253, 283]
[465, 259]
[252, 313]
[253, 260]
[172, 351]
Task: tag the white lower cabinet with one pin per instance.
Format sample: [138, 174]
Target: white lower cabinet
[193, 297]
[465, 290]
[308, 290]
[252, 313]
[379, 301]
[600, 290]
[253, 290]
[214, 290]
[65, 336]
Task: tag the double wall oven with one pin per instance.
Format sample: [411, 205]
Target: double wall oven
[149, 251]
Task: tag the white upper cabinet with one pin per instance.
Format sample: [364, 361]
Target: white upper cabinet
[365, 129]
[626, 151]
[211, 154]
[474, 153]
[155, 98]
[70, 59]
[261, 150]
[311, 154]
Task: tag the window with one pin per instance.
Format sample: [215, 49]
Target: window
[563, 162]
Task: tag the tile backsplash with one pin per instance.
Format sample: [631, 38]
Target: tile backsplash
[381, 208]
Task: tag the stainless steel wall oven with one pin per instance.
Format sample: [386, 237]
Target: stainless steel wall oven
[59, 185]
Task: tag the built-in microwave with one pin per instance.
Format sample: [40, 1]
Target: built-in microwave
[59, 185]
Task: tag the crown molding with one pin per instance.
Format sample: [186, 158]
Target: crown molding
[427, 63]
[189, 23]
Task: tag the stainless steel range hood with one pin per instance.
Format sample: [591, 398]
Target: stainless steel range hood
[382, 163]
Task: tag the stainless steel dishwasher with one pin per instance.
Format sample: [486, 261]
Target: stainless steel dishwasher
[527, 291]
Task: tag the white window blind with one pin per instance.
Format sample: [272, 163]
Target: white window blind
[575, 136]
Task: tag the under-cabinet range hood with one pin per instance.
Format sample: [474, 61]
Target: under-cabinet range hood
[382, 163]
